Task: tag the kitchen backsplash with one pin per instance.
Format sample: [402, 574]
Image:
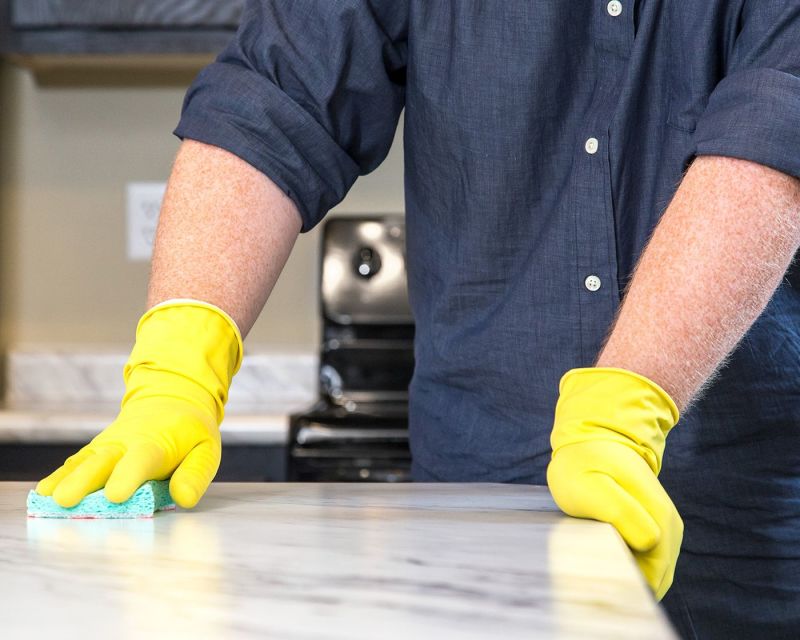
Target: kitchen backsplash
[59, 377]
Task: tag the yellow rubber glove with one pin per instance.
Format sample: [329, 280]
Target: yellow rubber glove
[177, 380]
[608, 441]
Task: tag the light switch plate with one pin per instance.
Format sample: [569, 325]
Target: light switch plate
[143, 207]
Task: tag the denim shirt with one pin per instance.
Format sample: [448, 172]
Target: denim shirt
[543, 141]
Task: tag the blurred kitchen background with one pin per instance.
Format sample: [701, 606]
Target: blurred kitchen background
[89, 95]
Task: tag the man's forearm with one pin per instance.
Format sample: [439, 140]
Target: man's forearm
[714, 261]
[224, 234]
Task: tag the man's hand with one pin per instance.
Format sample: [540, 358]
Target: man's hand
[608, 441]
[177, 381]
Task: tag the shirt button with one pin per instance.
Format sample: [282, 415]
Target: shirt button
[591, 146]
[614, 8]
[592, 283]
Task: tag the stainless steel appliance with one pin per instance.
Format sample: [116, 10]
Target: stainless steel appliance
[358, 429]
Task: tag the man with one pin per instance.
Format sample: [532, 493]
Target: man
[543, 142]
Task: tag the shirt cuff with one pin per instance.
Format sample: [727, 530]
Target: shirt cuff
[244, 113]
[754, 115]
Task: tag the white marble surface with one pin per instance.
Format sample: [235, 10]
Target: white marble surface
[325, 561]
[57, 394]
[60, 376]
[53, 426]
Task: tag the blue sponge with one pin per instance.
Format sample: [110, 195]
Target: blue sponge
[152, 496]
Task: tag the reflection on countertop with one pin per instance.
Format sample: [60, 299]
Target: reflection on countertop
[322, 561]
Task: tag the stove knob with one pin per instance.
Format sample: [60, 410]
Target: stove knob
[367, 262]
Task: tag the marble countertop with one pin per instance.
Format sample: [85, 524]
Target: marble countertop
[325, 562]
[72, 426]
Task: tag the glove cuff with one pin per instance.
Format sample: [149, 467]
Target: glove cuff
[614, 404]
[187, 348]
[190, 302]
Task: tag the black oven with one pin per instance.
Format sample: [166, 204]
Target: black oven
[358, 429]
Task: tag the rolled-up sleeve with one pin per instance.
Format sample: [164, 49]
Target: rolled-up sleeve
[308, 92]
[754, 112]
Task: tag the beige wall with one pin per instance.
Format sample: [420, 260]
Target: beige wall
[66, 154]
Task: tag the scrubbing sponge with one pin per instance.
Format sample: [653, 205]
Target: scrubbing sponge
[152, 496]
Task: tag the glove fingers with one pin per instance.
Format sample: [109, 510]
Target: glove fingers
[669, 576]
[658, 566]
[192, 477]
[140, 464]
[636, 478]
[658, 563]
[666, 581]
[636, 526]
[596, 495]
[89, 476]
[47, 485]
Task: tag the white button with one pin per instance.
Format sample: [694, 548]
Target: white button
[614, 8]
[592, 283]
[591, 146]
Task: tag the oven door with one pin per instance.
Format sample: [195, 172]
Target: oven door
[361, 450]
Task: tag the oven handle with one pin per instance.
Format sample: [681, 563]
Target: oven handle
[318, 433]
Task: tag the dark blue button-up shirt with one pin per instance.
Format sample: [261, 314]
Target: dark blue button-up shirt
[543, 141]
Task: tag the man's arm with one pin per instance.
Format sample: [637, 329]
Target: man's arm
[714, 260]
[713, 263]
[224, 234]
[281, 102]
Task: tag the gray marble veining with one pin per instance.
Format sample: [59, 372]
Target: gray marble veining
[325, 561]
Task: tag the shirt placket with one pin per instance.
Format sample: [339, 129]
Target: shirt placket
[596, 276]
